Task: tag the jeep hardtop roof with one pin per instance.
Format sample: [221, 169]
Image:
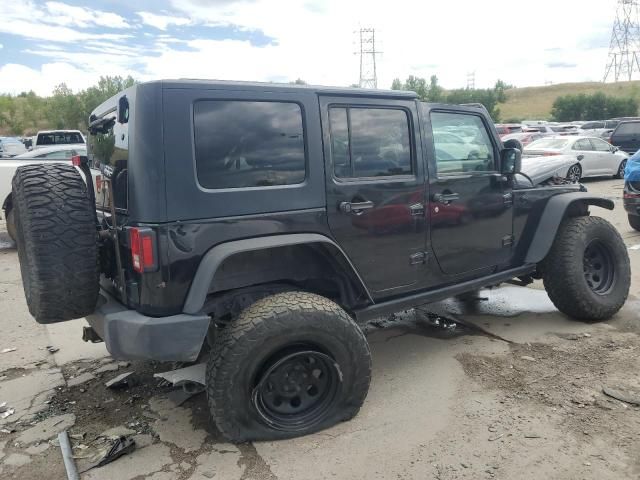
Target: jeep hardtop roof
[284, 87]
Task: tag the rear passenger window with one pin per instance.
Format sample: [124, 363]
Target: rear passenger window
[248, 144]
[370, 142]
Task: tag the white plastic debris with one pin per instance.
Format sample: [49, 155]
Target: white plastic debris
[7, 350]
[8, 412]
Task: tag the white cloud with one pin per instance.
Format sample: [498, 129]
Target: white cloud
[67, 15]
[161, 22]
[19, 78]
[316, 42]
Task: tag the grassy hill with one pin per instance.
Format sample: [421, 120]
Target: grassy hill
[534, 103]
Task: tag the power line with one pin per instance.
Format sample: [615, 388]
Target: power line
[624, 51]
[368, 52]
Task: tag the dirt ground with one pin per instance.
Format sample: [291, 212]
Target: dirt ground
[515, 390]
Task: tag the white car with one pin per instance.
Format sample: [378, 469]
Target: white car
[593, 156]
[59, 152]
[8, 167]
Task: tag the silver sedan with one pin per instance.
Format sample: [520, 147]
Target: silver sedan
[593, 156]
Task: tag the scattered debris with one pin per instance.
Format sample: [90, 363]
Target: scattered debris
[7, 350]
[67, 456]
[186, 376]
[80, 379]
[635, 247]
[532, 435]
[8, 412]
[122, 446]
[497, 437]
[586, 335]
[52, 349]
[179, 396]
[109, 367]
[121, 381]
[528, 358]
[6, 430]
[627, 397]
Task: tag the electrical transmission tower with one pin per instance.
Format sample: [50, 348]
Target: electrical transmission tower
[624, 52]
[368, 52]
[471, 80]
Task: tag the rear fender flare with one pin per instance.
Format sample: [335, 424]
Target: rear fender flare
[557, 209]
[203, 278]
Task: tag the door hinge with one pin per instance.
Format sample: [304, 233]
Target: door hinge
[418, 258]
[508, 240]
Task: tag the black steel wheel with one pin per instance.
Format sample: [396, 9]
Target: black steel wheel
[574, 173]
[587, 272]
[620, 173]
[599, 269]
[298, 386]
[291, 364]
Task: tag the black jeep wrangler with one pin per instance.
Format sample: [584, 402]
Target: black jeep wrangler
[261, 223]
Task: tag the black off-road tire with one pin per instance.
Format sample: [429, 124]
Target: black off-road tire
[563, 270]
[11, 224]
[634, 221]
[57, 242]
[242, 351]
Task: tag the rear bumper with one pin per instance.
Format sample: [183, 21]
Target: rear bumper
[129, 335]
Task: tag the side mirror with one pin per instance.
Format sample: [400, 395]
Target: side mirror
[511, 161]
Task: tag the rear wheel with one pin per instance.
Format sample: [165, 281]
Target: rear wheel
[620, 172]
[587, 273]
[57, 242]
[634, 221]
[291, 364]
[574, 173]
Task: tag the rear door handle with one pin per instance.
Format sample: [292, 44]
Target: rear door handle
[354, 207]
[445, 198]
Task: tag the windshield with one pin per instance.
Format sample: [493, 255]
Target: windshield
[554, 143]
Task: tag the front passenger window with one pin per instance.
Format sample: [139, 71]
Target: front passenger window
[462, 144]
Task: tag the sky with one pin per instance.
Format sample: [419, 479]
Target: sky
[45, 43]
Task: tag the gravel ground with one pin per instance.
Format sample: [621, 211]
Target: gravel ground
[515, 391]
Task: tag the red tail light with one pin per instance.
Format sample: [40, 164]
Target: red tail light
[630, 195]
[143, 245]
[75, 160]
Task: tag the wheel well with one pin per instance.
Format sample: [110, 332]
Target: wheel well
[8, 203]
[319, 268]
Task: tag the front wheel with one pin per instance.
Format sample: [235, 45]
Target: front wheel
[587, 273]
[634, 221]
[574, 174]
[291, 364]
[620, 172]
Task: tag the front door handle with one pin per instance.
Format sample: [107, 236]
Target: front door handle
[355, 207]
[445, 198]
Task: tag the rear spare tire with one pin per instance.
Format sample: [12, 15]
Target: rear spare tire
[57, 242]
[291, 364]
[587, 272]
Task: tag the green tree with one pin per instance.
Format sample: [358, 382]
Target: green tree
[568, 108]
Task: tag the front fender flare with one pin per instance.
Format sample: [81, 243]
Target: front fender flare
[555, 211]
[217, 255]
